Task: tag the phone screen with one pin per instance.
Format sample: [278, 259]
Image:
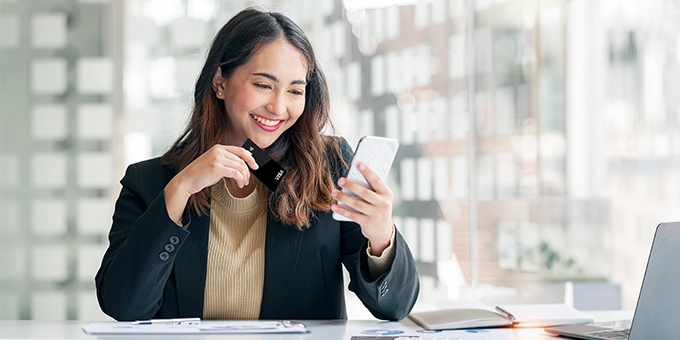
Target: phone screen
[377, 153]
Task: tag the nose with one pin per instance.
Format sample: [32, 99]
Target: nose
[277, 105]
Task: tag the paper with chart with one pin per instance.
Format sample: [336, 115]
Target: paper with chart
[202, 327]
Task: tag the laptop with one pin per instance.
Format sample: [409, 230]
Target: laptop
[657, 314]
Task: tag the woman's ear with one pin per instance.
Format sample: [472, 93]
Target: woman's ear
[218, 83]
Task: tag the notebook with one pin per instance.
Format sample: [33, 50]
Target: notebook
[530, 315]
[657, 314]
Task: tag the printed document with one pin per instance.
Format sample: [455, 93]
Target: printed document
[196, 327]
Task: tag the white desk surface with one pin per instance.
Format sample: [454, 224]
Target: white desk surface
[320, 329]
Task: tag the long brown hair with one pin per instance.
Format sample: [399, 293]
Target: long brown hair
[302, 150]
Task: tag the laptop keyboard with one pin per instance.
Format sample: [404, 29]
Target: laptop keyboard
[611, 334]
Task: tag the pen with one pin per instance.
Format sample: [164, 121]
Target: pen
[506, 314]
[181, 321]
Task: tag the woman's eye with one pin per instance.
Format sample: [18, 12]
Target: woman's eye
[262, 86]
[297, 92]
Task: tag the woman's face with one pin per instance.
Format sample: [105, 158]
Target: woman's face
[266, 96]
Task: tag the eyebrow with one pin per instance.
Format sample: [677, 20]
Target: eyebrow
[276, 80]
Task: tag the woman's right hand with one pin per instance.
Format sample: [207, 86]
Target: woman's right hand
[220, 161]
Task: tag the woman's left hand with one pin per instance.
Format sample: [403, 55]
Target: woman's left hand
[373, 208]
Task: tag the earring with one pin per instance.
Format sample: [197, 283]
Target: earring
[219, 93]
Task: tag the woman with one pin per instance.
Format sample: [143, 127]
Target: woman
[195, 235]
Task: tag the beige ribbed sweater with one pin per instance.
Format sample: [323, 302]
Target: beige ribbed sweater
[235, 273]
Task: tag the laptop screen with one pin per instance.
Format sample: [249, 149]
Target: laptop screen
[657, 315]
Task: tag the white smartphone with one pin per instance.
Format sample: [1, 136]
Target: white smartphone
[375, 152]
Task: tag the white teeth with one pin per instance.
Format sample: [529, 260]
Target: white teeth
[266, 122]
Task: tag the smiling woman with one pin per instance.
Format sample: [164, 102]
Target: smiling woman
[195, 235]
[266, 96]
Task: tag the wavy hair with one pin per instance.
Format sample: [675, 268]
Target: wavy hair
[303, 150]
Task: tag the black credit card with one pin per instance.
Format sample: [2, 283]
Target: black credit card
[269, 172]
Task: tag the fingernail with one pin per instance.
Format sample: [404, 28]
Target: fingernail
[334, 194]
[361, 166]
[341, 181]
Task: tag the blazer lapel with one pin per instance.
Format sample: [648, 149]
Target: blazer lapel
[282, 250]
[190, 266]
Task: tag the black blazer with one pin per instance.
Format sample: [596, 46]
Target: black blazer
[156, 269]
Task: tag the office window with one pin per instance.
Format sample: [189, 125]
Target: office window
[95, 75]
[378, 75]
[423, 119]
[353, 76]
[56, 177]
[48, 122]
[407, 170]
[392, 18]
[424, 176]
[49, 76]
[48, 30]
[408, 124]
[421, 15]
[49, 217]
[392, 123]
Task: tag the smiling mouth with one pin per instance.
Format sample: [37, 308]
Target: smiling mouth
[267, 122]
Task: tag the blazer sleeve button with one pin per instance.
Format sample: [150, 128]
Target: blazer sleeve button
[174, 239]
[164, 256]
[169, 248]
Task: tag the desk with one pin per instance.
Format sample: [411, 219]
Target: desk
[320, 329]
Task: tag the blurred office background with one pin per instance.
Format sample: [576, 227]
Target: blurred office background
[540, 139]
